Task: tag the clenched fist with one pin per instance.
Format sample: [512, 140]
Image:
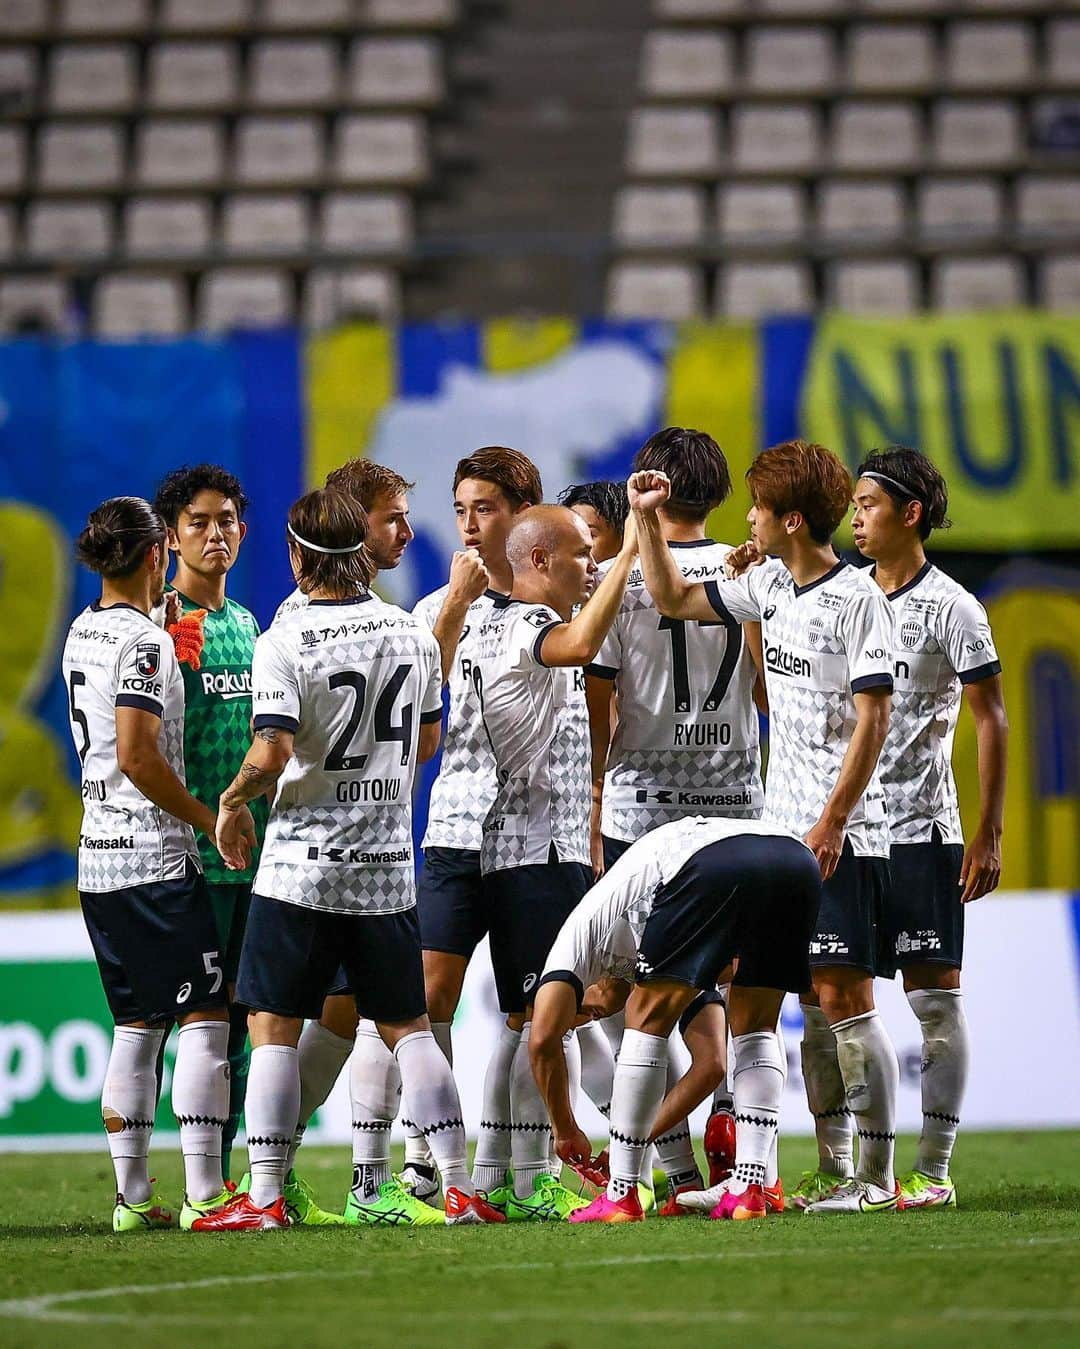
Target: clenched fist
[648, 489]
[468, 576]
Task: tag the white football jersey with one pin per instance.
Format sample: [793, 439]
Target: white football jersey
[943, 641]
[118, 657]
[353, 680]
[823, 643]
[290, 604]
[602, 935]
[464, 790]
[538, 727]
[686, 742]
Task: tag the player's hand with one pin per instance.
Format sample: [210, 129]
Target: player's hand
[741, 559]
[573, 1147]
[826, 842]
[596, 848]
[648, 489]
[468, 576]
[234, 837]
[174, 607]
[189, 637]
[981, 869]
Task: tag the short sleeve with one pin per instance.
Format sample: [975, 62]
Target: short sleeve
[736, 600]
[431, 707]
[275, 692]
[527, 635]
[141, 670]
[608, 660]
[968, 641]
[865, 626]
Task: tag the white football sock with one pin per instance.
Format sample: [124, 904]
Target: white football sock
[321, 1055]
[271, 1109]
[430, 1097]
[374, 1091]
[200, 1101]
[871, 1079]
[128, 1106]
[613, 1027]
[597, 1066]
[530, 1128]
[417, 1151]
[759, 1088]
[640, 1079]
[772, 1166]
[825, 1094]
[674, 1149]
[945, 1055]
[491, 1160]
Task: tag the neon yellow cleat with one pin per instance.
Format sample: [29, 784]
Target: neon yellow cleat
[190, 1211]
[918, 1190]
[813, 1186]
[154, 1213]
[300, 1203]
[550, 1202]
[395, 1206]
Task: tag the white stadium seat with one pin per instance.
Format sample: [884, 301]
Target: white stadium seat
[104, 16]
[891, 56]
[87, 155]
[986, 54]
[875, 136]
[771, 213]
[868, 212]
[372, 149]
[394, 71]
[1059, 283]
[138, 305]
[193, 75]
[972, 134]
[204, 16]
[779, 139]
[882, 286]
[660, 215]
[265, 224]
[18, 78]
[66, 230]
[684, 64]
[307, 14]
[167, 227]
[673, 142]
[959, 208]
[969, 284]
[34, 303]
[1048, 207]
[278, 150]
[366, 222]
[179, 153]
[1063, 52]
[23, 18]
[92, 77]
[231, 298]
[338, 295]
[287, 72]
[12, 158]
[408, 13]
[654, 290]
[753, 290]
[789, 60]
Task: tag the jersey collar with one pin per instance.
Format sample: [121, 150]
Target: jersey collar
[812, 585]
[99, 608]
[497, 598]
[691, 543]
[331, 604]
[919, 575]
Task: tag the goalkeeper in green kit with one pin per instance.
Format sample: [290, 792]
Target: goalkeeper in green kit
[203, 508]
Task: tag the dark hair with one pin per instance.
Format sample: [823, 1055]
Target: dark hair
[330, 519]
[804, 477]
[608, 500]
[513, 473]
[117, 536]
[180, 488]
[700, 478]
[908, 475]
[366, 481]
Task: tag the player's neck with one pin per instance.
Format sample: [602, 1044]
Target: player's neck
[893, 573]
[680, 531]
[809, 561]
[205, 592]
[335, 595]
[502, 576]
[532, 590]
[128, 590]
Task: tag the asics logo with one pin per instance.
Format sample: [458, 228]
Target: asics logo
[769, 611]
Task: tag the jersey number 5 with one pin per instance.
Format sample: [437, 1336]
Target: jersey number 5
[680, 672]
[339, 760]
[78, 716]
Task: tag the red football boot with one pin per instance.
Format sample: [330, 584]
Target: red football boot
[720, 1146]
[241, 1215]
[470, 1208]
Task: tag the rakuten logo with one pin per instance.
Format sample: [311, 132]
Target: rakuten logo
[226, 683]
[786, 662]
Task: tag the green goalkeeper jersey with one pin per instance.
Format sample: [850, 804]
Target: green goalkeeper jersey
[217, 722]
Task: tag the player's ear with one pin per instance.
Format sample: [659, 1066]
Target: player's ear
[241, 532]
[539, 558]
[173, 539]
[792, 521]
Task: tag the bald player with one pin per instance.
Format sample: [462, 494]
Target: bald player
[535, 849]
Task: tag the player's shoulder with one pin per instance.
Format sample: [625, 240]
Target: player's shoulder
[700, 559]
[427, 606]
[291, 603]
[537, 616]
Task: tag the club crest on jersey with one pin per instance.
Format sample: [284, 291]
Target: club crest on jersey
[815, 631]
[911, 633]
[147, 659]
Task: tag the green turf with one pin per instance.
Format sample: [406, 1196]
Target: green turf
[999, 1271]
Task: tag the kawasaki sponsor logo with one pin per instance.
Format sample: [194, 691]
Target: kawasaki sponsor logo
[786, 662]
[358, 857]
[227, 683]
[672, 797]
[121, 843]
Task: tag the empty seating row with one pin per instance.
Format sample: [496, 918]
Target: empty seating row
[34, 18]
[93, 77]
[676, 291]
[170, 154]
[698, 11]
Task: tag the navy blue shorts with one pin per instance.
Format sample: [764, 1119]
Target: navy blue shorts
[924, 919]
[528, 907]
[752, 896]
[452, 900]
[292, 955]
[157, 949]
[849, 926]
[613, 849]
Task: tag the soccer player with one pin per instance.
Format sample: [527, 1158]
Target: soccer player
[346, 694]
[944, 650]
[827, 635]
[604, 508]
[203, 509]
[535, 847]
[142, 894]
[672, 914]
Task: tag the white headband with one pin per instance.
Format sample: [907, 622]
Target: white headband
[318, 548]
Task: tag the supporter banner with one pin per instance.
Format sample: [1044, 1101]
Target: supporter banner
[55, 1031]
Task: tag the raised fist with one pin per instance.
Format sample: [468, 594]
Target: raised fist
[741, 559]
[468, 576]
[648, 489]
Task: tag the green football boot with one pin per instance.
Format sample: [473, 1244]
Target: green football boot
[395, 1206]
[550, 1202]
[500, 1197]
[813, 1186]
[300, 1203]
[190, 1211]
[143, 1217]
[647, 1197]
[918, 1190]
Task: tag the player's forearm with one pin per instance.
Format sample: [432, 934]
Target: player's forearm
[548, 1061]
[447, 629]
[992, 738]
[263, 764]
[859, 761]
[150, 772]
[585, 633]
[697, 1084]
[673, 595]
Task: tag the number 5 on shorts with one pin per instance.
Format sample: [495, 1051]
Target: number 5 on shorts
[208, 958]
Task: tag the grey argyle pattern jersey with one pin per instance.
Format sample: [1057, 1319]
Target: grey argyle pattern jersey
[465, 787]
[943, 641]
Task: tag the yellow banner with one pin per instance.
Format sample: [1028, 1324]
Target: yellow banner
[994, 401]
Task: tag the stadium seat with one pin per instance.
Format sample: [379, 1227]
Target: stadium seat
[1047, 207]
[789, 60]
[12, 158]
[204, 16]
[958, 208]
[370, 149]
[655, 290]
[876, 136]
[23, 18]
[913, 7]
[34, 304]
[697, 9]
[753, 290]
[673, 142]
[278, 150]
[192, 75]
[881, 286]
[986, 54]
[18, 79]
[660, 215]
[7, 233]
[307, 14]
[104, 16]
[337, 295]
[231, 298]
[408, 13]
[976, 133]
[138, 305]
[385, 71]
[366, 222]
[1063, 53]
[167, 227]
[92, 77]
[62, 230]
[860, 212]
[969, 284]
[1059, 283]
[686, 64]
[265, 224]
[776, 139]
[86, 155]
[802, 8]
[761, 212]
[897, 57]
[288, 72]
[179, 153]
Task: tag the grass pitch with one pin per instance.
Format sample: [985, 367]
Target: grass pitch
[999, 1271]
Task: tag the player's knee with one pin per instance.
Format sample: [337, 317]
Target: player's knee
[443, 978]
[340, 1017]
[845, 997]
[943, 977]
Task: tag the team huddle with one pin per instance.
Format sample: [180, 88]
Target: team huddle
[649, 889]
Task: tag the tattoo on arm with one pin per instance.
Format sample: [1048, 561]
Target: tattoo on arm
[270, 734]
[249, 783]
